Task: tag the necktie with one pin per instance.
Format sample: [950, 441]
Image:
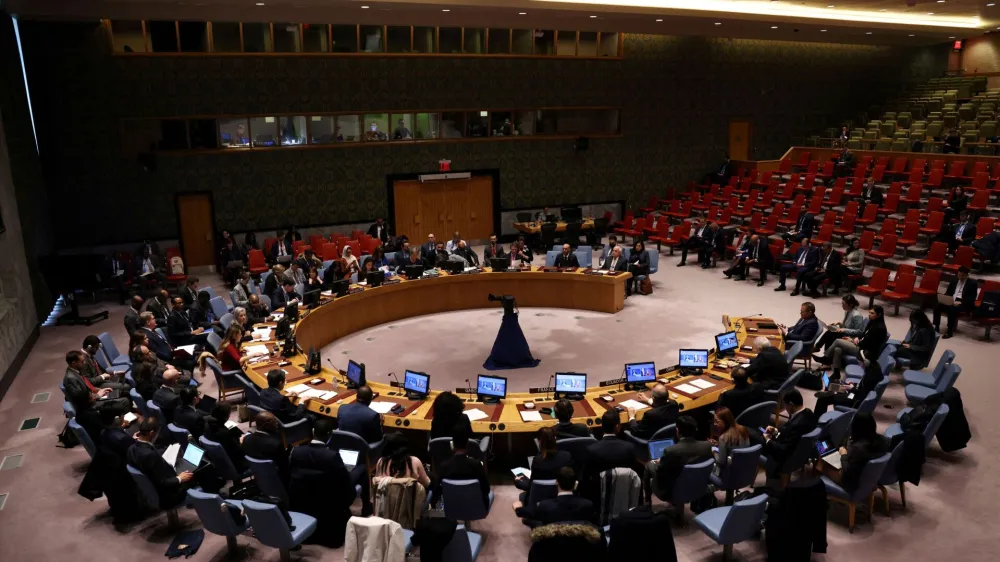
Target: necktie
[613, 262]
[958, 235]
[90, 386]
[802, 258]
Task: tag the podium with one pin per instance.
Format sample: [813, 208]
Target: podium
[510, 350]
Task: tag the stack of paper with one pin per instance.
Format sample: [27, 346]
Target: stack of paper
[521, 472]
[262, 333]
[256, 350]
[187, 348]
[634, 405]
[328, 395]
[312, 393]
[298, 389]
[170, 455]
[326, 293]
[130, 417]
[476, 414]
[382, 407]
[687, 389]
[531, 416]
[702, 384]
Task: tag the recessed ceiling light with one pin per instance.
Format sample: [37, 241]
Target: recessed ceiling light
[868, 33]
[831, 6]
[718, 23]
[364, 7]
[930, 13]
[822, 31]
[593, 17]
[260, 3]
[940, 1]
[661, 19]
[445, 10]
[883, 10]
[522, 13]
[774, 27]
[952, 37]
[990, 5]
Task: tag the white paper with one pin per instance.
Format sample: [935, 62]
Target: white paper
[188, 348]
[476, 414]
[256, 350]
[382, 407]
[277, 315]
[530, 416]
[298, 389]
[702, 384]
[130, 417]
[170, 455]
[262, 333]
[326, 293]
[312, 393]
[634, 405]
[231, 424]
[687, 389]
[521, 472]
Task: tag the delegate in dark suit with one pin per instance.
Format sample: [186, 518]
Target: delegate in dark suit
[79, 393]
[758, 254]
[187, 417]
[168, 401]
[989, 246]
[827, 268]
[132, 323]
[738, 399]
[870, 196]
[564, 507]
[768, 369]
[803, 228]
[320, 486]
[685, 451]
[493, 251]
[380, 232]
[778, 449]
[638, 264]
[965, 233]
[147, 459]
[702, 239]
[806, 260]
[361, 420]
[653, 419]
[230, 443]
[464, 467]
[612, 263]
[266, 447]
[278, 404]
[179, 329]
[564, 260]
[281, 298]
[804, 330]
[275, 250]
[965, 301]
[159, 346]
[608, 453]
[569, 429]
[160, 310]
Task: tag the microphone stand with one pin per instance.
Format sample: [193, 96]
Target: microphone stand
[393, 375]
[468, 387]
[336, 371]
[622, 382]
[548, 386]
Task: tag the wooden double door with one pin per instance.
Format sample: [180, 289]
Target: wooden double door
[444, 207]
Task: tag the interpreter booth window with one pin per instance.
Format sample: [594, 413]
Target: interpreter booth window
[524, 122]
[424, 39]
[162, 36]
[264, 131]
[545, 121]
[257, 38]
[521, 41]
[293, 130]
[139, 136]
[608, 46]
[371, 39]
[193, 36]
[173, 135]
[587, 121]
[128, 36]
[499, 43]
[477, 124]
[402, 127]
[502, 124]
[475, 41]
[226, 37]
[202, 133]
[450, 40]
[286, 38]
[426, 125]
[234, 133]
[452, 125]
[545, 42]
[566, 44]
[315, 38]
[349, 128]
[376, 127]
[345, 38]
[587, 45]
[398, 39]
[321, 129]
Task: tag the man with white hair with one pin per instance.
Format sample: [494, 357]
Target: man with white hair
[769, 368]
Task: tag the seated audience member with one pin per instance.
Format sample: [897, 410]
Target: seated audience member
[414, 259]
[865, 445]
[257, 312]
[146, 458]
[608, 453]
[190, 291]
[870, 195]
[308, 260]
[615, 261]
[159, 346]
[295, 273]
[449, 419]
[850, 394]
[92, 370]
[379, 231]
[403, 254]
[397, 462]
[964, 291]
[159, 305]
[920, 344]
[662, 413]
[359, 419]
[702, 241]
[609, 247]
[281, 251]
[440, 255]
[463, 467]
[272, 400]
[466, 253]
[313, 282]
[567, 258]
[180, 329]
[115, 275]
[320, 486]
[89, 416]
[660, 474]
[186, 416]
[114, 437]
[230, 357]
[989, 246]
[566, 506]
[731, 435]
[81, 392]
[780, 444]
[756, 253]
[493, 250]
[806, 329]
[216, 430]
[828, 268]
[957, 203]
[350, 262]
[638, 264]
[242, 290]
[854, 261]
[273, 281]
[429, 249]
[803, 230]
[144, 374]
[166, 397]
[249, 242]
[866, 347]
[379, 258]
[852, 326]
[132, 323]
[743, 394]
[720, 176]
[242, 321]
[520, 255]
[563, 411]
[768, 368]
[202, 315]
[286, 295]
[264, 443]
[149, 266]
[546, 463]
[964, 233]
[806, 260]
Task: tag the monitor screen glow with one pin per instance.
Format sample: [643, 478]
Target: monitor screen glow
[491, 386]
[694, 358]
[573, 383]
[354, 372]
[640, 372]
[727, 341]
[415, 382]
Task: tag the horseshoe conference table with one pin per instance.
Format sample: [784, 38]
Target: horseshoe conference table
[336, 318]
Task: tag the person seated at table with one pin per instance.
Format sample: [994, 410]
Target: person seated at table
[272, 400]
[465, 252]
[146, 458]
[865, 445]
[768, 368]
[850, 394]
[704, 242]
[350, 262]
[82, 393]
[609, 247]
[565, 507]
[202, 315]
[452, 244]
[781, 444]
[852, 326]
[308, 260]
[866, 347]
[440, 256]
[295, 273]
[414, 259]
[180, 329]
[803, 230]
[319, 485]
[286, 295]
[449, 419]
[964, 233]
[230, 357]
[428, 250]
[313, 282]
[167, 396]
[397, 462]
[964, 291]
[186, 416]
[216, 431]
[563, 411]
[806, 328]
[281, 250]
[730, 435]
[660, 474]
[827, 269]
[264, 443]
[520, 255]
[638, 264]
[806, 260]
[546, 463]
[662, 413]
[358, 417]
[460, 466]
[743, 395]
[920, 344]
[615, 261]
[257, 312]
[273, 281]
[567, 258]
[493, 250]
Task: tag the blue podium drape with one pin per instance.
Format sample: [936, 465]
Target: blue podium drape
[510, 350]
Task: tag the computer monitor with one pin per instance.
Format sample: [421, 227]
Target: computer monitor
[499, 264]
[414, 271]
[292, 312]
[491, 389]
[340, 287]
[693, 359]
[374, 278]
[416, 384]
[355, 374]
[638, 373]
[726, 342]
[311, 298]
[571, 214]
[571, 385]
[453, 266]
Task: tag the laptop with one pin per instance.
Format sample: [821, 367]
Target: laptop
[192, 459]
[947, 300]
[350, 458]
[829, 454]
[830, 386]
[112, 395]
[656, 447]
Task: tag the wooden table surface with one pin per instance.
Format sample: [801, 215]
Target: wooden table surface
[536, 227]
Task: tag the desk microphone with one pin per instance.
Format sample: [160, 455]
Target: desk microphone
[393, 375]
[468, 386]
[548, 386]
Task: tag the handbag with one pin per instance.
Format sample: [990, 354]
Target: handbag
[645, 286]
[811, 380]
[242, 413]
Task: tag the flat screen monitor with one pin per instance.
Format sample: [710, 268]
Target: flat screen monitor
[374, 278]
[491, 387]
[693, 359]
[640, 372]
[416, 383]
[571, 383]
[499, 264]
[726, 342]
[414, 271]
[311, 298]
[340, 287]
[355, 373]
[571, 214]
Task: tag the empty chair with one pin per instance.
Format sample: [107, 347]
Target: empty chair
[691, 484]
[157, 413]
[139, 401]
[265, 473]
[739, 471]
[213, 342]
[271, 529]
[890, 476]
[179, 435]
[865, 490]
[758, 415]
[216, 517]
[929, 432]
[736, 523]
[929, 379]
[223, 464]
[219, 307]
[577, 447]
[463, 500]
[916, 393]
[83, 437]
[109, 348]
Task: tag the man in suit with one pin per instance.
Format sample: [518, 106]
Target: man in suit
[779, 445]
[703, 239]
[463, 467]
[179, 328]
[989, 246]
[160, 307]
[660, 474]
[286, 295]
[440, 255]
[466, 253]
[144, 456]
[429, 250]
[743, 395]
[167, 397]
[186, 416]
[609, 452]
[519, 254]
[806, 329]
[190, 291]
[82, 393]
[803, 229]
[272, 400]
[567, 258]
[257, 311]
[609, 247]
[92, 370]
[828, 267]
[806, 260]
[964, 291]
[563, 411]
[132, 315]
[379, 231]
[414, 259]
[358, 417]
[615, 261]
[769, 368]
[870, 195]
[264, 443]
[159, 346]
[319, 485]
[965, 233]
[662, 413]
[757, 254]
[564, 507]
[281, 251]
[492, 250]
[403, 255]
[115, 274]
[149, 266]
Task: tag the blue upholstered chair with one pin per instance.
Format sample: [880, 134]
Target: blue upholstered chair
[213, 342]
[915, 393]
[886, 360]
[537, 491]
[865, 492]
[266, 299]
[867, 405]
[890, 476]
[732, 524]
[779, 393]
[642, 445]
[800, 456]
[584, 255]
[740, 471]
[929, 432]
[225, 380]
[691, 484]
[217, 455]
[111, 351]
[907, 363]
[576, 447]
[83, 437]
[102, 360]
[271, 529]
[929, 379]
[157, 413]
[835, 427]
[150, 496]
[226, 320]
[463, 500]
[139, 401]
[550, 257]
[368, 452]
[464, 546]
[68, 410]
[792, 352]
[296, 432]
[179, 435]
[265, 473]
[216, 518]
[758, 415]
[219, 307]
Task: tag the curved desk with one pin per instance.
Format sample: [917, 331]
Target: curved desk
[536, 227]
[406, 299]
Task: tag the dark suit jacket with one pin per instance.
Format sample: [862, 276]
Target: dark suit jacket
[570, 429]
[468, 254]
[230, 443]
[609, 452]
[685, 451]
[874, 196]
[856, 459]
[280, 297]
[804, 330]
[267, 447]
[274, 249]
[760, 252]
[190, 419]
[319, 485]
[833, 265]
[159, 346]
[441, 427]
[873, 339]
[566, 507]
[493, 252]
[116, 440]
[131, 321]
[639, 262]
[654, 419]
[373, 231]
[401, 268]
[179, 328]
[739, 399]
[76, 390]
[621, 265]
[968, 233]
[464, 467]
[159, 310]
[360, 420]
[189, 295]
[812, 259]
[144, 457]
[89, 418]
[768, 368]
[168, 401]
[806, 224]
[547, 468]
[969, 292]
[92, 370]
[278, 404]
[428, 251]
[567, 261]
[201, 317]
[784, 444]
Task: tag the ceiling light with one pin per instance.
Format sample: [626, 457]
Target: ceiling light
[831, 6]
[718, 23]
[930, 13]
[661, 19]
[952, 37]
[593, 17]
[911, 35]
[868, 33]
[990, 5]
[260, 3]
[940, 1]
[774, 27]
[522, 13]
[446, 10]
[364, 7]
[822, 31]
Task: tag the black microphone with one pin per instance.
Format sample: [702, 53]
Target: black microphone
[336, 371]
[468, 387]
[393, 375]
[548, 386]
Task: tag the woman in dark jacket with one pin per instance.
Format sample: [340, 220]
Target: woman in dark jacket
[957, 202]
[449, 419]
[867, 346]
[920, 344]
[201, 314]
[546, 463]
[638, 264]
[850, 394]
[865, 445]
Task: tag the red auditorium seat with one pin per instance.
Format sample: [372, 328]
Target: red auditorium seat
[833, 199]
[963, 257]
[886, 249]
[765, 201]
[256, 264]
[903, 290]
[678, 234]
[890, 205]
[933, 225]
[792, 218]
[846, 227]
[902, 268]
[755, 221]
[929, 284]
[875, 286]
[988, 323]
[979, 201]
[935, 256]
[985, 226]
[869, 216]
[770, 227]
[851, 208]
[867, 240]
[825, 235]
[911, 231]
[650, 207]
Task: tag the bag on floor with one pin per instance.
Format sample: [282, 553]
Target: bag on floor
[811, 380]
[67, 438]
[645, 286]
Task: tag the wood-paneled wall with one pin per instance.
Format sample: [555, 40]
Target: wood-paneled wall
[444, 207]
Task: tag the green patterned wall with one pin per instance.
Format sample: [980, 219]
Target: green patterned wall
[677, 95]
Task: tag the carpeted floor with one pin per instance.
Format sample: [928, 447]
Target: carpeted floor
[949, 514]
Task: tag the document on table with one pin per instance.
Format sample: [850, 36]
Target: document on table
[262, 333]
[170, 455]
[634, 405]
[231, 424]
[256, 350]
[530, 416]
[312, 393]
[326, 293]
[130, 417]
[476, 414]
[382, 407]
[702, 384]
[189, 349]
[328, 395]
[298, 389]
[687, 389]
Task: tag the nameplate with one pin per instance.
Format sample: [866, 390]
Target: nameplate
[392, 281]
[464, 391]
[541, 389]
[612, 382]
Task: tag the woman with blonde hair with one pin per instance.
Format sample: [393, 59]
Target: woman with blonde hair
[731, 435]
